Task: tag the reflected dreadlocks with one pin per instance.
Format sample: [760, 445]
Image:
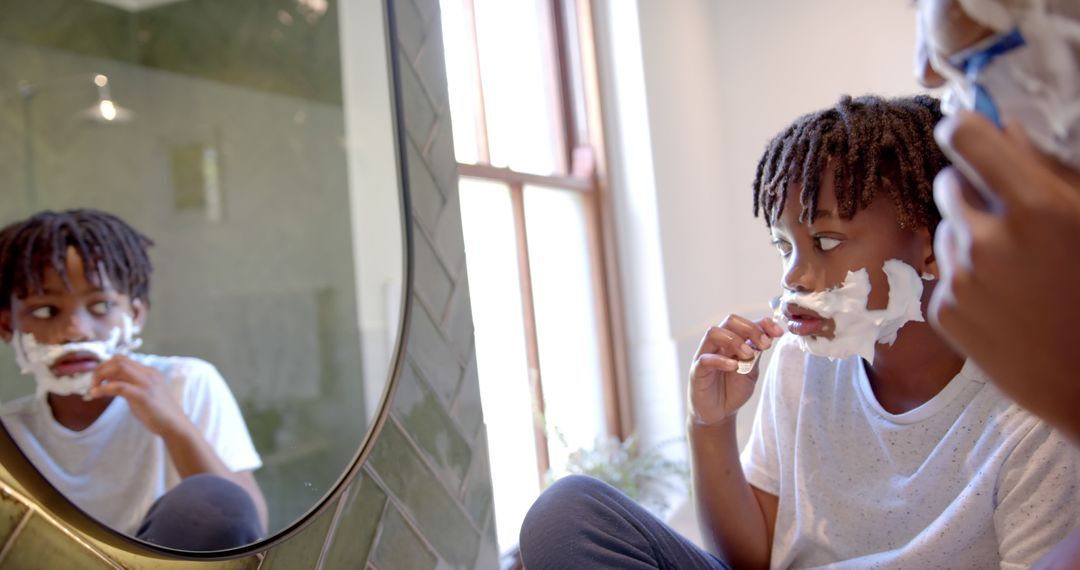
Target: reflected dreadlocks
[105, 243]
[873, 144]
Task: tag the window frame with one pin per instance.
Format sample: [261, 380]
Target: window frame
[571, 53]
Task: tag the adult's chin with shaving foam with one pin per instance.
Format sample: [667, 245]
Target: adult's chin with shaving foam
[1029, 72]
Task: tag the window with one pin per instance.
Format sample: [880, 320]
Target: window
[526, 135]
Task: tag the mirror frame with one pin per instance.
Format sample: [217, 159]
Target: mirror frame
[58, 507]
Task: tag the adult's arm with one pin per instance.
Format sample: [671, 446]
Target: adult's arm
[1006, 249]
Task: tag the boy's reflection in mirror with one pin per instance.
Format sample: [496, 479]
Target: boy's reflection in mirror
[153, 446]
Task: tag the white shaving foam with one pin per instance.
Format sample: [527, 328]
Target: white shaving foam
[37, 359]
[858, 329]
[1037, 84]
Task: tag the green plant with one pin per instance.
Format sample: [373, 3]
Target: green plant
[645, 475]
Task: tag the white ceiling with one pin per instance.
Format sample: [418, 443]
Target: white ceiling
[136, 5]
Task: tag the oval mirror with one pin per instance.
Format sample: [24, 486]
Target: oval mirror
[253, 142]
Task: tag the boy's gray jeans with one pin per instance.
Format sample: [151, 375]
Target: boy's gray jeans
[581, 522]
[203, 513]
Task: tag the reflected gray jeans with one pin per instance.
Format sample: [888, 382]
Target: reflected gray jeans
[202, 513]
[581, 522]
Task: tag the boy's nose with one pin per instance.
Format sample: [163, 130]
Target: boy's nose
[77, 328]
[799, 277]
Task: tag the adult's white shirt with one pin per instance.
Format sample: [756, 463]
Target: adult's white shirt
[967, 480]
[115, 469]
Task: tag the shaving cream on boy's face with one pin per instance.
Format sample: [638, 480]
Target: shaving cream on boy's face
[38, 359]
[858, 329]
[1028, 72]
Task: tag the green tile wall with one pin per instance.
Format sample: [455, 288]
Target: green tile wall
[360, 521]
[431, 458]
[423, 499]
[87, 28]
[270, 45]
[276, 46]
[304, 549]
[401, 548]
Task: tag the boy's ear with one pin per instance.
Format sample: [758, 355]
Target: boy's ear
[930, 266]
[138, 313]
[7, 331]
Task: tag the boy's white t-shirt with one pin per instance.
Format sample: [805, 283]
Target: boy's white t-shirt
[115, 469]
[967, 480]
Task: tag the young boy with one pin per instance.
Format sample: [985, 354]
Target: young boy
[876, 445]
[151, 446]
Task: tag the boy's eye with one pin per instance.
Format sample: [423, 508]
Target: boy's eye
[782, 246]
[45, 312]
[101, 308]
[827, 243]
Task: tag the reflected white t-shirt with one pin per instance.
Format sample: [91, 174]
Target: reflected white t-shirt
[116, 468]
[967, 480]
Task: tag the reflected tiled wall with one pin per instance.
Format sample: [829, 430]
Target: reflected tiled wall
[267, 48]
[423, 500]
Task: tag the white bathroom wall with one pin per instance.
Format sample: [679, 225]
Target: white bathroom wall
[721, 77]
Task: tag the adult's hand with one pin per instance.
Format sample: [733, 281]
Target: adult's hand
[1007, 250]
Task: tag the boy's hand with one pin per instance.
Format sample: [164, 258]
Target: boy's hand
[145, 390]
[716, 391]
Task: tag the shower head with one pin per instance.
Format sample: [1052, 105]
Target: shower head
[106, 111]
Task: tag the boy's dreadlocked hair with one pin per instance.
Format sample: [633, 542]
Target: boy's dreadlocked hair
[872, 144]
[105, 243]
